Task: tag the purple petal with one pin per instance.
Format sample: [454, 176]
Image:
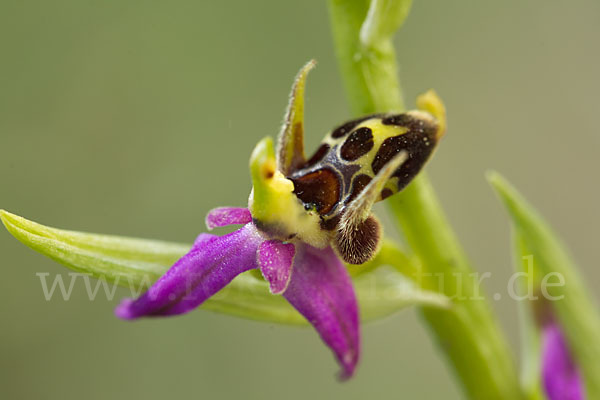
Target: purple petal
[224, 216]
[321, 290]
[559, 373]
[275, 261]
[209, 266]
[203, 239]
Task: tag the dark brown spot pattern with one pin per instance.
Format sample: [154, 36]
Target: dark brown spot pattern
[346, 128]
[318, 156]
[414, 124]
[359, 143]
[330, 179]
[331, 223]
[385, 193]
[320, 189]
[358, 184]
[398, 120]
[419, 148]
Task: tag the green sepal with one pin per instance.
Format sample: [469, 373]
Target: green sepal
[137, 263]
[576, 311]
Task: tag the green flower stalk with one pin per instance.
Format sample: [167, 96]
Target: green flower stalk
[469, 333]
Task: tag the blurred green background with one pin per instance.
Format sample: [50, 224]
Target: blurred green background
[137, 117]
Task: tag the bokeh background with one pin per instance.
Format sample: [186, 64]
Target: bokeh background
[137, 117]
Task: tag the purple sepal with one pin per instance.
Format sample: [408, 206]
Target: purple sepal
[209, 266]
[560, 375]
[321, 290]
[224, 216]
[275, 262]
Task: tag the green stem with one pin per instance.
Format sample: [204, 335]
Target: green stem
[469, 333]
[368, 68]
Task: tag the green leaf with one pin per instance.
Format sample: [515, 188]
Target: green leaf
[530, 332]
[576, 311]
[136, 263]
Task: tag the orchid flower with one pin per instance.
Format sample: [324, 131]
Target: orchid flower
[550, 368]
[296, 229]
[560, 375]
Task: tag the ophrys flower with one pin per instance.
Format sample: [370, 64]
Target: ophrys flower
[303, 218]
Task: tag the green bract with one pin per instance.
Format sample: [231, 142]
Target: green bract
[576, 311]
[137, 263]
[531, 346]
